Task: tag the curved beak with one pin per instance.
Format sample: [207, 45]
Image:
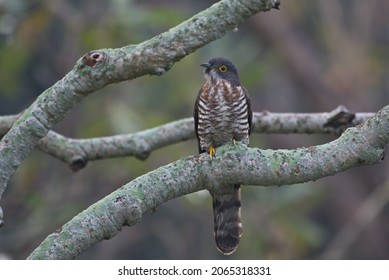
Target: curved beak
[205, 65]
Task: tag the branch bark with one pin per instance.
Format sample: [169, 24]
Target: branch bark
[100, 68]
[361, 145]
[78, 152]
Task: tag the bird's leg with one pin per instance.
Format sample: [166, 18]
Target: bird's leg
[212, 152]
[233, 141]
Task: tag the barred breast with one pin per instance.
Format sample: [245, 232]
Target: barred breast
[223, 114]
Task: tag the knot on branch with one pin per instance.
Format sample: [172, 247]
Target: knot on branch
[142, 149]
[277, 4]
[159, 71]
[340, 119]
[143, 155]
[78, 163]
[92, 58]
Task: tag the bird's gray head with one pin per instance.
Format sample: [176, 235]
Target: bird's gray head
[220, 68]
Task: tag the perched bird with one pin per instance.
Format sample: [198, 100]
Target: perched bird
[223, 114]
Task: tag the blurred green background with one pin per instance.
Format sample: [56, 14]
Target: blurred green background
[310, 56]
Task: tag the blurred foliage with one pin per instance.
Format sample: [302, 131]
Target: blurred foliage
[310, 56]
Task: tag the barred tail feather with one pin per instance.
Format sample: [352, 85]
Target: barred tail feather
[227, 219]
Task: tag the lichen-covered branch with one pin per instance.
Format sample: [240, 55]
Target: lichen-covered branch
[77, 152]
[361, 145]
[100, 68]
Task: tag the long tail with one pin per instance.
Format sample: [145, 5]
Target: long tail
[228, 224]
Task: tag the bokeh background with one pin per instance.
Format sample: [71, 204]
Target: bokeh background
[310, 56]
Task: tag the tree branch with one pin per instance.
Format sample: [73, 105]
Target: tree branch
[78, 152]
[362, 145]
[99, 68]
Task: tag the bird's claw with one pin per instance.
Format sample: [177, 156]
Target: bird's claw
[212, 152]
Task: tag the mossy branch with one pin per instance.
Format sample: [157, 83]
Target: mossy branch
[78, 152]
[357, 146]
[99, 68]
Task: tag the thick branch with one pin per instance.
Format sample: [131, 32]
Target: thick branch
[77, 152]
[100, 68]
[362, 145]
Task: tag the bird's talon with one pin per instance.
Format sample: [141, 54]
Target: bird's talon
[233, 141]
[212, 152]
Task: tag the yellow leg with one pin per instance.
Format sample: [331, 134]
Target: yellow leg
[212, 152]
[233, 141]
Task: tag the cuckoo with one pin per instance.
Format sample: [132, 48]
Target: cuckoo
[222, 114]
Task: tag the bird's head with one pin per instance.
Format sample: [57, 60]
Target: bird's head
[221, 68]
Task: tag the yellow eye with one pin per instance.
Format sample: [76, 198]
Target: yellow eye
[223, 68]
